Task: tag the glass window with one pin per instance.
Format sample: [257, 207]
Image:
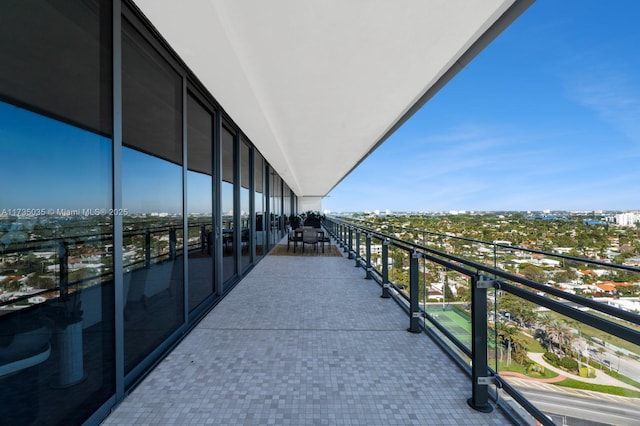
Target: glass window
[287, 206]
[56, 58]
[199, 202]
[152, 196]
[276, 208]
[228, 201]
[245, 214]
[258, 176]
[56, 277]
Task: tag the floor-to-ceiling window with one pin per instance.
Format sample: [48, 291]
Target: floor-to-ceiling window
[199, 202]
[245, 207]
[58, 325]
[273, 209]
[258, 177]
[227, 200]
[56, 233]
[152, 196]
[277, 221]
[286, 206]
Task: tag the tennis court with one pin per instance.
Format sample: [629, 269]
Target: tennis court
[453, 321]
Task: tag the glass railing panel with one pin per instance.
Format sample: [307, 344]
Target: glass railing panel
[559, 363]
[399, 269]
[376, 255]
[560, 369]
[448, 301]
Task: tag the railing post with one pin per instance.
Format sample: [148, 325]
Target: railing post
[147, 249]
[357, 247]
[350, 244]
[172, 243]
[343, 237]
[63, 262]
[385, 269]
[368, 265]
[414, 306]
[203, 238]
[479, 365]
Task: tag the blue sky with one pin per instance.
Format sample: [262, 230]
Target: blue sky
[546, 117]
[69, 166]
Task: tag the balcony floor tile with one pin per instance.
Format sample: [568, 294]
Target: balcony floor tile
[304, 341]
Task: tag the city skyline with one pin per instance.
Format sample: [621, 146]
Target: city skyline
[545, 118]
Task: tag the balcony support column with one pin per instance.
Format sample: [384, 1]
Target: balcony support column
[479, 368]
[368, 263]
[385, 269]
[414, 306]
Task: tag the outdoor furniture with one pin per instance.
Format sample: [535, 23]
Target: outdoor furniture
[295, 236]
[322, 238]
[309, 236]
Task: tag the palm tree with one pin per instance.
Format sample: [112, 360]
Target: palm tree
[544, 321]
[558, 332]
[509, 335]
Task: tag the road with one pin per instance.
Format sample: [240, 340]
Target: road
[590, 407]
[628, 366]
[624, 365]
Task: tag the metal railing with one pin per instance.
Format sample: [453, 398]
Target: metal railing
[481, 277]
[63, 247]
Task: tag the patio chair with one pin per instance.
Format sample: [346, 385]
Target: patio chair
[309, 236]
[294, 236]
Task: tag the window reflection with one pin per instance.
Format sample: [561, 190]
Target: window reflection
[152, 194]
[245, 214]
[258, 176]
[56, 282]
[276, 230]
[199, 203]
[228, 227]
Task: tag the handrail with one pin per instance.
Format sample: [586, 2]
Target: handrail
[62, 243]
[482, 277]
[519, 248]
[611, 310]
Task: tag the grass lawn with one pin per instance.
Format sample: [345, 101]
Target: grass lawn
[624, 378]
[532, 344]
[611, 390]
[517, 368]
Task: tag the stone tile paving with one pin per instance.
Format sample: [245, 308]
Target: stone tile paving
[304, 341]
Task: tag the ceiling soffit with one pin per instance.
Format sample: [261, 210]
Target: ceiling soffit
[316, 86]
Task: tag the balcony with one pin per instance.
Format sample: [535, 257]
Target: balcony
[304, 340]
[152, 176]
[309, 340]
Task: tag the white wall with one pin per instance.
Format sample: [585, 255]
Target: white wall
[309, 203]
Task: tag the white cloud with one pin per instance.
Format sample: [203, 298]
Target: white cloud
[613, 95]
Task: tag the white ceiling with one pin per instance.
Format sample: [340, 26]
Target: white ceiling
[316, 85]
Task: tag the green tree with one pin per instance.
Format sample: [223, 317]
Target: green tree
[533, 272]
[509, 337]
[565, 275]
[520, 308]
